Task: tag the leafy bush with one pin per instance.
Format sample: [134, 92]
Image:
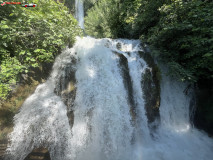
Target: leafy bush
[89, 4]
[181, 31]
[122, 18]
[99, 20]
[184, 36]
[111, 18]
[31, 36]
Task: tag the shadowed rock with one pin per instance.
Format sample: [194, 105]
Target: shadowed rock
[39, 154]
[151, 89]
[123, 62]
[66, 89]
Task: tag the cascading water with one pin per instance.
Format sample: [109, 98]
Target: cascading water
[176, 139]
[42, 120]
[102, 124]
[79, 12]
[103, 127]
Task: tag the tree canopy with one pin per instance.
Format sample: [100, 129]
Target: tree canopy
[180, 32]
[31, 36]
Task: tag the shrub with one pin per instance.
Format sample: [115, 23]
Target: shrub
[31, 36]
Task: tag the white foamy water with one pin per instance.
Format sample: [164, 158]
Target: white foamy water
[102, 119]
[103, 127]
[176, 139]
[42, 120]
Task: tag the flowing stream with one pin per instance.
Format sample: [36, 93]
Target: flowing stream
[79, 6]
[103, 127]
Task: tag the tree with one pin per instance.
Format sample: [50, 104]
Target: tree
[29, 37]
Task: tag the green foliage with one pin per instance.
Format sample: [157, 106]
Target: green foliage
[181, 31]
[31, 36]
[71, 5]
[112, 18]
[148, 16]
[122, 18]
[184, 35]
[4, 89]
[101, 19]
[89, 4]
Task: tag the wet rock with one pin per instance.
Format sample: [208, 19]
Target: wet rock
[123, 62]
[118, 46]
[203, 115]
[39, 154]
[151, 96]
[151, 89]
[66, 89]
[3, 147]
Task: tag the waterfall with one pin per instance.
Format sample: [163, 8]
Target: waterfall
[176, 138]
[79, 12]
[103, 127]
[42, 119]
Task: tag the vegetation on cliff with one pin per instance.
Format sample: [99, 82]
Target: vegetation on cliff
[31, 36]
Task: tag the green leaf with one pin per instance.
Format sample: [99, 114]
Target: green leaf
[22, 53]
[4, 27]
[4, 36]
[37, 50]
[207, 55]
[11, 14]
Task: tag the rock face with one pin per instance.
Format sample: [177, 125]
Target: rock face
[39, 154]
[203, 116]
[127, 82]
[151, 89]
[3, 147]
[70, 5]
[151, 95]
[66, 89]
[36, 154]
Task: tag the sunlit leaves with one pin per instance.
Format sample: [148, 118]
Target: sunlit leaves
[31, 36]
